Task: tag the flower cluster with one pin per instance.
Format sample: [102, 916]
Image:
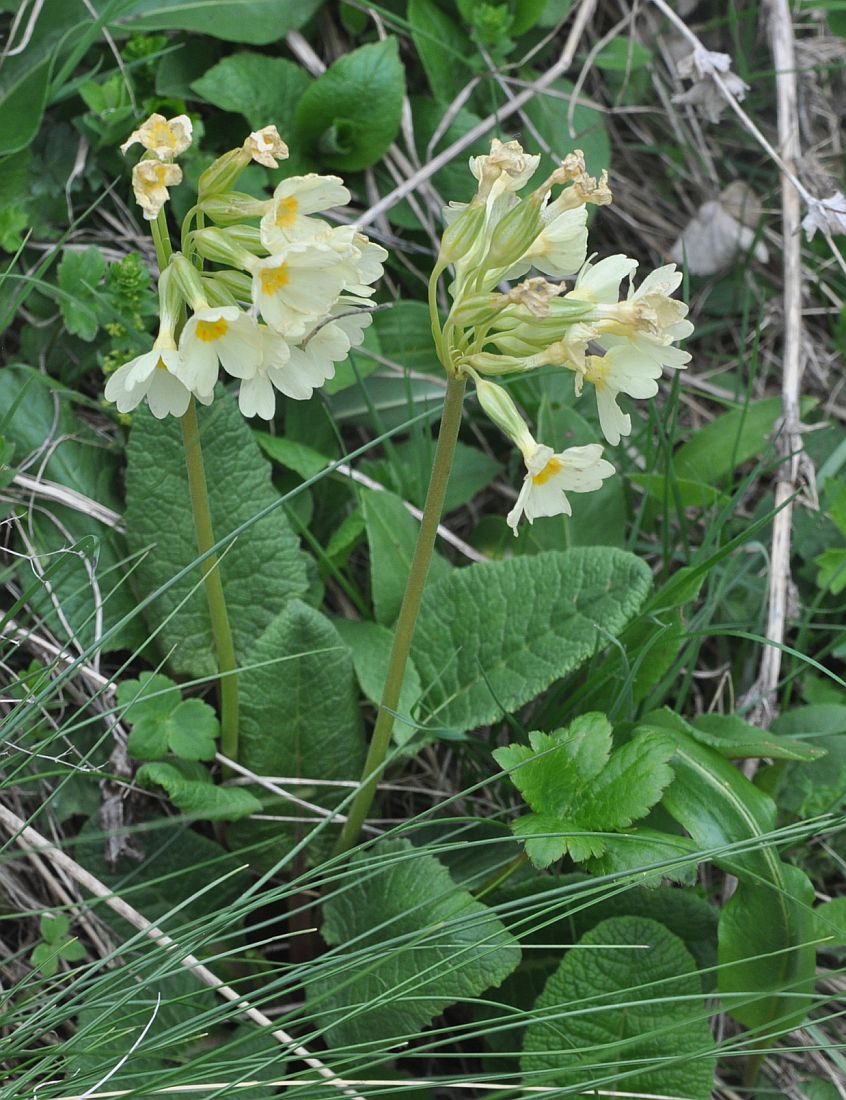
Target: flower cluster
[615, 345]
[287, 296]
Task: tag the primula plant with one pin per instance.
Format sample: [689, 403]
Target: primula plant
[385, 704]
[286, 300]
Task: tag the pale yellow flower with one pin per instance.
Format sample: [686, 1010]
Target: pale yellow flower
[150, 182]
[151, 376]
[296, 287]
[224, 335]
[266, 147]
[294, 200]
[165, 137]
[550, 476]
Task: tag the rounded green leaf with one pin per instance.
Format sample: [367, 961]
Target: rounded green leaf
[350, 116]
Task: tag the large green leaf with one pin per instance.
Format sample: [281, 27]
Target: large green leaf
[641, 1007]
[392, 536]
[493, 636]
[195, 795]
[299, 703]
[767, 953]
[719, 807]
[351, 114]
[257, 22]
[263, 89]
[83, 557]
[261, 571]
[416, 943]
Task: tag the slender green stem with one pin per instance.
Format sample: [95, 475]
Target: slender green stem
[447, 438]
[221, 632]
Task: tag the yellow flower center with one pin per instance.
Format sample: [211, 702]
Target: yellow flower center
[286, 212]
[209, 331]
[274, 278]
[161, 364]
[552, 468]
[596, 371]
[162, 134]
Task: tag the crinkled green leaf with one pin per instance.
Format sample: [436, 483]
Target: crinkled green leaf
[642, 1008]
[490, 637]
[636, 849]
[261, 571]
[350, 115]
[263, 89]
[576, 785]
[299, 702]
[199, 799]
[162, 722]
[417, 943]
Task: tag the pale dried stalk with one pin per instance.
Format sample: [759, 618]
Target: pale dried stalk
[789, 442]
[32, 841]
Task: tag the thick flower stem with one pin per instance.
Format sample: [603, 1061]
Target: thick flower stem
[447, 438]
[221, 633]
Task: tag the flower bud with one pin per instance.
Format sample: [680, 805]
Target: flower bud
[497, 404]
[514, 234]
[222, 246]
[187, 280]
[463, 233]
[221, 175]
[233, 206]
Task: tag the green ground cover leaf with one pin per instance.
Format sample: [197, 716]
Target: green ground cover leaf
[576, 785]
[262, 571]
[642, 1007]
[493, 636]
[79, 273]
[256, 22]
[820, 786]
[549, 113]
[163, 722]
[736, 739]
[196, 795]
[263, 89]
[735, 437]
[350, 115]
[299, 701]
[392, 536]
[417, 943]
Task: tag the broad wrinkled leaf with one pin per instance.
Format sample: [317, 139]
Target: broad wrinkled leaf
[642, 1006]
[263, 89]
[490, 637]
[261, 571]
[417, 943]
[198, 797]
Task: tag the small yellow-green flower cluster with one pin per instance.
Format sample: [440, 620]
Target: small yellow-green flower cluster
[493, 329]
[288, 295]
